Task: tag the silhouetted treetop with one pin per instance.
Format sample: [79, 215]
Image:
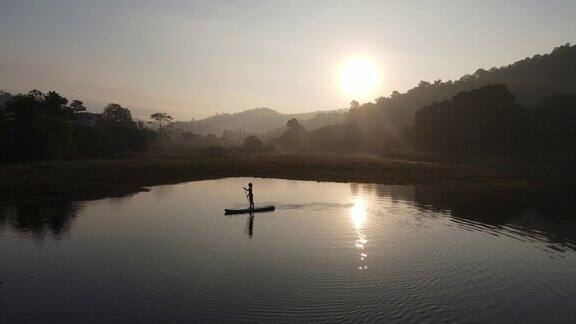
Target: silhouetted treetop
[77, 106]
[4, 97]
[116, 115]
[162, 122]
[37, 126]
[295, 137]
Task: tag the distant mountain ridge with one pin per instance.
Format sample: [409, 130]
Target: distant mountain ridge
[530, 80]
[257, 121]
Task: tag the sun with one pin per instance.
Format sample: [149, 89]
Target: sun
[360, 78]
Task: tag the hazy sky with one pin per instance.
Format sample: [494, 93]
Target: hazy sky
[196, 58]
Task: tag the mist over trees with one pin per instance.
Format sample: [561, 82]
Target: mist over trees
[253, 144]
[265, 122]
[526, 108]
[483, 121]
[295, 138]
[530, 80]
[345, 137]
[162, 123]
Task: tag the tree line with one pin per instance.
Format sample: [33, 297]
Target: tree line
[524, 108]
[489, 120]
[530, 80]
[40, 126]
[483, 121]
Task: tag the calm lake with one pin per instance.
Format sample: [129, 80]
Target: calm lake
[330, 252]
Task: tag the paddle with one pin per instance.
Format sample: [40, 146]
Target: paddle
[246, 195]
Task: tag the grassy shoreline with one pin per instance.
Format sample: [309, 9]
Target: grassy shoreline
[94, 179]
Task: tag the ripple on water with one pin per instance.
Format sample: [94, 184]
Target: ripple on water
[330, 252]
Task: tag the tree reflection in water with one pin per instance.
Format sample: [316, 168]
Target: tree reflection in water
[530, 211]
[40, 220]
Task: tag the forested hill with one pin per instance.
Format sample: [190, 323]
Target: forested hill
[530, 80]
[254, 121]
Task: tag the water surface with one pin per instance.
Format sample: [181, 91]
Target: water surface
[330, 252]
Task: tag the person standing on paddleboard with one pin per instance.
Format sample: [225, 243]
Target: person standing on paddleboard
[250, 195]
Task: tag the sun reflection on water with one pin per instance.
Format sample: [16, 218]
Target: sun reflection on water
[358, 213]
[358, 216]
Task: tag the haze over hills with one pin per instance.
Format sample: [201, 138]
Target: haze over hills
[297, 161]
[377, 125]
[257, 121]
[530, 80]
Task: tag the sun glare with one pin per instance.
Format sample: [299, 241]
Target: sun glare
[358, 213]
[360, 79]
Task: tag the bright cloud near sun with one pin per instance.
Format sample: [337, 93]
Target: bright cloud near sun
[360, 79]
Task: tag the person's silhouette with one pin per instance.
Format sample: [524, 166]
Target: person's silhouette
[250, 195]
